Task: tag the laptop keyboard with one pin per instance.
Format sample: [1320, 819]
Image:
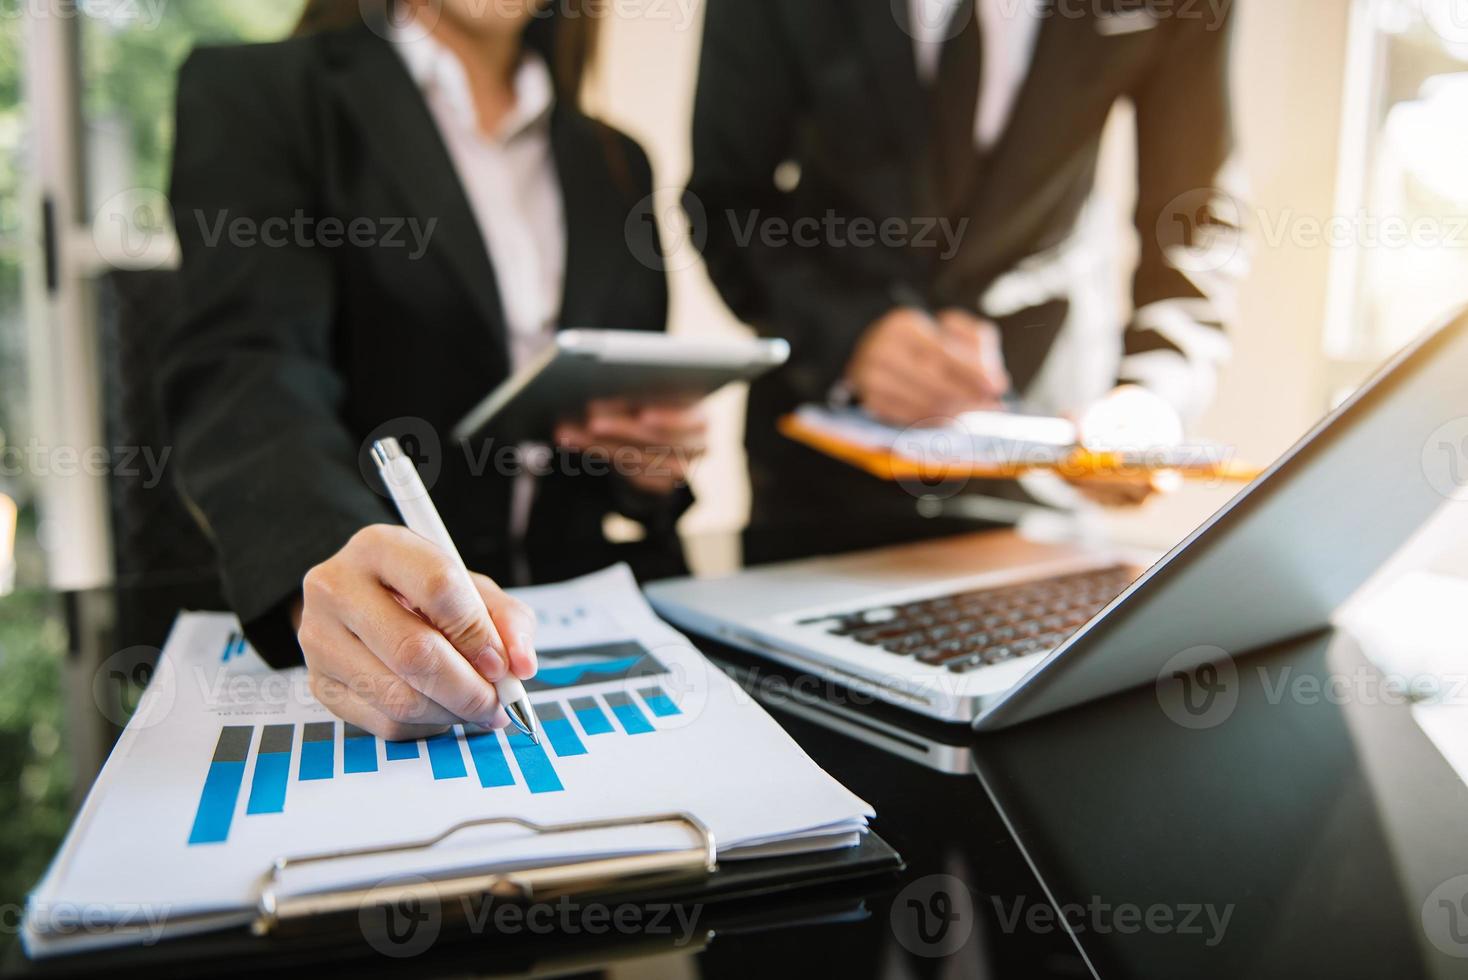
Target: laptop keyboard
[974, 629]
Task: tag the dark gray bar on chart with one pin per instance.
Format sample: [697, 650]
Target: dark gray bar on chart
[550, 711]
[234, 743]
[615, 698]
[277, 738]
[352, 731]
[319, 731]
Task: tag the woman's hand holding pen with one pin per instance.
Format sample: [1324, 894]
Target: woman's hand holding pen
[652, 446]
[397, 645]
[911, 367]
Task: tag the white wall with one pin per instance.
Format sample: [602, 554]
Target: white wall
[1289, 60]
[645, 86]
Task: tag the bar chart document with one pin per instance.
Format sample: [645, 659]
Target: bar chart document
[228, 765]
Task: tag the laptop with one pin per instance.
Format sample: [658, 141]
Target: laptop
[992, 629]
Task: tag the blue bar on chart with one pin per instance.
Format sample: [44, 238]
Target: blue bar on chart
[659, 702]
[444, 756]
[558, 729]
[272, 770]
[222, 785]
[631, 717]
[318, 750]
[593, 719]
[359, 750]
[397, 751]
[489, 759]
[233, 647]
[535, 765]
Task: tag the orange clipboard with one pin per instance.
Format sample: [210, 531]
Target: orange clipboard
[1081, 464]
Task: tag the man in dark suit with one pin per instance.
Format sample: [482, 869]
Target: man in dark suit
[937, 155]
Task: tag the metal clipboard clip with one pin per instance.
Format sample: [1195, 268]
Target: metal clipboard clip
[597, 876]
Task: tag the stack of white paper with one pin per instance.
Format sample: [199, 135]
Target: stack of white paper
[977, 438]
[997, 440]
[228, 765]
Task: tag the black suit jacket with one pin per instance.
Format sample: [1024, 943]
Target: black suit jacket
[290, 357]
[831, 86]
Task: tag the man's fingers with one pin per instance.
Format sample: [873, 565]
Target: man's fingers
[988, 355]
[973, 360]
[991, 359]
[1117, 491]
[975, 351]
[923, 382]
[516, 624]
[417, 653]
[922, 372]
[946, 374]
[893, 402]
[435, 584]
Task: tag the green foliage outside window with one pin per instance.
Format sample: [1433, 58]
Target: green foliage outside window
[127, 68]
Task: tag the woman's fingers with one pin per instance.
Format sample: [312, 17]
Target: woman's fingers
[420, 655]
[515, 622]
[653, 426]
[434, 583]
[652, 446]
[365, 715]
[348, 678]
[394, 647]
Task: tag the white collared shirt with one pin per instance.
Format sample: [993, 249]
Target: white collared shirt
[514, 191]
[1010, 28]
[510, 180]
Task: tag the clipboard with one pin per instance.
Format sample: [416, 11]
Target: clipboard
[691, 874]
[1071, 463]
[288, 932]
[597, 877]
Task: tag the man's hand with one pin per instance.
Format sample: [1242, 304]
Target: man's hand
[398, 644]
[1129, 418]
[652, 446]
[910, 368]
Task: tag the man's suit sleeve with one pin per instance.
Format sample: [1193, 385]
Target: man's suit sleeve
[1189, 216]
[248, 390]
[746, 113]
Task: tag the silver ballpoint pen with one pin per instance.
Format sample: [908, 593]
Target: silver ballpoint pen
[422, 518]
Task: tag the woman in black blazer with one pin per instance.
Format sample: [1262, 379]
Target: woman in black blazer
[379, 219]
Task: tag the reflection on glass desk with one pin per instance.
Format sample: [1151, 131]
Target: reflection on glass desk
[1304, 827]
[1279, 816]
